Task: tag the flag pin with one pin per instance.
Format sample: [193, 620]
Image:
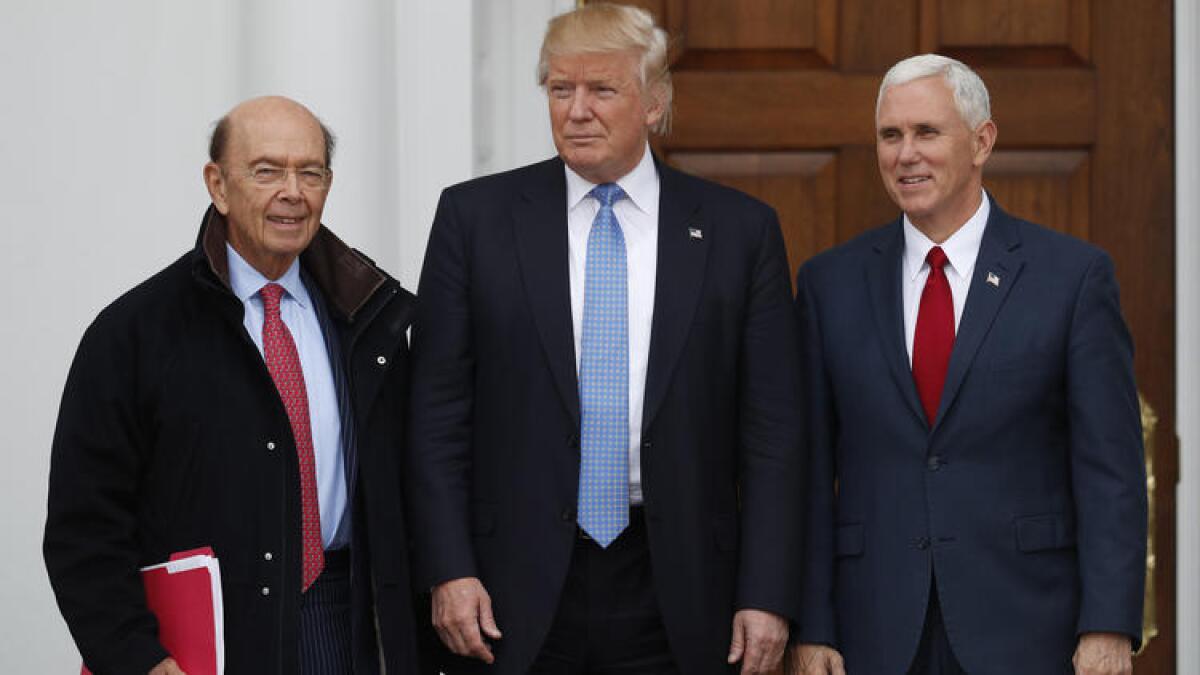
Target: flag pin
[695, 233]
[993, 279]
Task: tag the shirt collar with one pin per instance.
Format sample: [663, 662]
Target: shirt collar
[247, 281]
[961, 248]
[640, 185]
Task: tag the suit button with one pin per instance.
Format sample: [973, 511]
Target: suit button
[934, 462]
[268, 557]
[270, 445]
[381, 360]
[646, 445]
[266, 590]
[567, 515]
[921, 543]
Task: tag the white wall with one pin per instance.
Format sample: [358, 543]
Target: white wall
[1187, 284]
[106, 113]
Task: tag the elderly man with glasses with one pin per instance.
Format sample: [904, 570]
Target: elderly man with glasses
[247, 398]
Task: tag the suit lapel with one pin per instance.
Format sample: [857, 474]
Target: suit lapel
[679, 279]
[884, 281]
[1000, 261]
[540, 231]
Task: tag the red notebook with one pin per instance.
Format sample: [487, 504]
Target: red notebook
[184, 593]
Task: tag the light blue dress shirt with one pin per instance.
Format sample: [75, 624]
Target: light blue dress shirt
[298, 314]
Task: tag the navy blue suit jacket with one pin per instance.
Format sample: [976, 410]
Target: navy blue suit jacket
[494, 463]
[1026, 501]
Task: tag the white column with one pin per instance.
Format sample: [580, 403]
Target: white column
[431, 137]
[331, 57]
[1187, 331]
[511, 120]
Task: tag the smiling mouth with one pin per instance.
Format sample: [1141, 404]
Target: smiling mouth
[281, 220]
[914, 180]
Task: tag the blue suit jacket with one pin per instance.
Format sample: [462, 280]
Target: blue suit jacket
[494, 463]
[1026, 501]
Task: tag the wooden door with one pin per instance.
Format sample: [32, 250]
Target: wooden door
[777, 98]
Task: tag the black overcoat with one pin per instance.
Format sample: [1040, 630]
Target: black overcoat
[171, 435]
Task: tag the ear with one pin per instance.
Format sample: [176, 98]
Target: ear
[983, 140]
[214, 180]
[655, 100]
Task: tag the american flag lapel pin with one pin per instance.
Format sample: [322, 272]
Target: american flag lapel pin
[993, 279]
[696, 233]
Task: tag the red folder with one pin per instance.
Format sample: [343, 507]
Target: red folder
[184, 594]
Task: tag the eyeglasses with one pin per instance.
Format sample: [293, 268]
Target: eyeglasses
[309, 177]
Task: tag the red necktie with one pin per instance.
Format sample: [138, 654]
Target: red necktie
[283, 362]
[934, 336]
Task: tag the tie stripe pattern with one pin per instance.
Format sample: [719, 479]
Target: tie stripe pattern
[934, 336]
[283, 362]
[604, 377]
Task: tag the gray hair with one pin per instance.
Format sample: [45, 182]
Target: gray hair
[970, 93]
[602, 27]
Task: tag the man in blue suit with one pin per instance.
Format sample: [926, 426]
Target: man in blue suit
[606, 465]
[976, 495]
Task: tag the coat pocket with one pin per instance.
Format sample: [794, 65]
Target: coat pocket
[849, 539]
[1044, 532]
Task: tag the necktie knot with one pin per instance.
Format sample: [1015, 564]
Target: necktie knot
[936, 258]
[271, 295]
[607, 194]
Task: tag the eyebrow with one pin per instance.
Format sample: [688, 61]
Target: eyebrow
[267, 159]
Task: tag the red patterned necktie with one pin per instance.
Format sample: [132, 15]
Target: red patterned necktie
[934, 336]
[283, 361]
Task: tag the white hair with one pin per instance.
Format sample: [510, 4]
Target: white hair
[970, 93]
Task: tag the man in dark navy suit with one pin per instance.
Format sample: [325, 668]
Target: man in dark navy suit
[606, 466]
[976, 496]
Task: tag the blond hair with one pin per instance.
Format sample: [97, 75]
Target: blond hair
[601, 27]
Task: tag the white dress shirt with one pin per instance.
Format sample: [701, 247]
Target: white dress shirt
[961, 249]
[298, 314]
[637, 215]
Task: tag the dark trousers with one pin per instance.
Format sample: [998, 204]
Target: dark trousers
[934, 655]
[608, 620]
[325, 620]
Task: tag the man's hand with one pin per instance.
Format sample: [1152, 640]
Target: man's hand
[167, 667]
[461, 608]
[814, 660]
[759, 639]
[1103, 654]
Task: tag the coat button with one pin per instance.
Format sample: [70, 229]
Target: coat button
[270, 445]
[381, 360]
[934, 462]
[567, 515]
[266, 590]
[268, 557]
[646, 445]
[922, 543]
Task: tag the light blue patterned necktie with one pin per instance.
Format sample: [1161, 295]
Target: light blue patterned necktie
[604, 377]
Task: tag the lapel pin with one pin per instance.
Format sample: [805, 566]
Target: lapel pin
[993, 280]
[695, 233]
